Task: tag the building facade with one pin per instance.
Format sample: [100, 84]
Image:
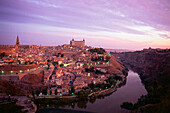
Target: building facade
[77, 43]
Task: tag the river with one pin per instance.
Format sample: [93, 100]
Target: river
[130, 92]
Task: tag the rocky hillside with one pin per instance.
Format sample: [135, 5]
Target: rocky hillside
[153, 66]
[148, 64]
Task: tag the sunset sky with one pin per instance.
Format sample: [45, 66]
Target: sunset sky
[124, 24]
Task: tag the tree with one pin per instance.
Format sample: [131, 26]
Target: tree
[127, 105]
[72, 91]
[118, 78]
[33, 94]
[55, 91]
[62, 55]
[83, 95]
[48, 60]
[37, 92]
[3, 54]
[50, 92]
[44, 91]
[91, 85]
[61, 65]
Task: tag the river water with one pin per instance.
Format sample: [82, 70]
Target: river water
[131, 91]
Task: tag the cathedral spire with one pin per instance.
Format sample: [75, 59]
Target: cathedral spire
[17, 42]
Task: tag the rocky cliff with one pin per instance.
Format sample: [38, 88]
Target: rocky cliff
[148, 64]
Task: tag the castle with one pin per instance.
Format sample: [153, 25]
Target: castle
[77, 43]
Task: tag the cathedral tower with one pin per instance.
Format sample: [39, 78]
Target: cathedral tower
[17, 42]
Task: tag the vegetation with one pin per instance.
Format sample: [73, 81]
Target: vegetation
[127, 105]
[55, 63]
[72, 91]
[2, 54]
[10, 108]
[37, 92]
[44, 91]
[55, 91]
[98, 50]
[156, 80]
[83, 95]
[91, 85]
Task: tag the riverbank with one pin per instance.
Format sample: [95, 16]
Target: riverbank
[109, 90]
[24, 102]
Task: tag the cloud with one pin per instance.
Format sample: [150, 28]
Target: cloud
[165, 36]
[123, 19]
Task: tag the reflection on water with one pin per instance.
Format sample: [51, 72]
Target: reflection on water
[110, 103]
[131, 91]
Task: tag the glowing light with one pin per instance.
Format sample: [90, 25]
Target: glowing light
[2, 71]
[27, 69]
[11, 71]
[106, 87]
[20, 71]
[72, 93]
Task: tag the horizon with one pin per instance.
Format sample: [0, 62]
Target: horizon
[131, 25]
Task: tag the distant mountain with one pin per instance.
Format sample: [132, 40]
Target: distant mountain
[118, 50]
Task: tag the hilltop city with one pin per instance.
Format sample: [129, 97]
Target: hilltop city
[67, 70]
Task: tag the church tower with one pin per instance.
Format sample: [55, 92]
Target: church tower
[17, 42]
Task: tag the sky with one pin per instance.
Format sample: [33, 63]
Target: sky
[113, 24]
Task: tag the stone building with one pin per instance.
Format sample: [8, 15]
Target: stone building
[77, 43]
